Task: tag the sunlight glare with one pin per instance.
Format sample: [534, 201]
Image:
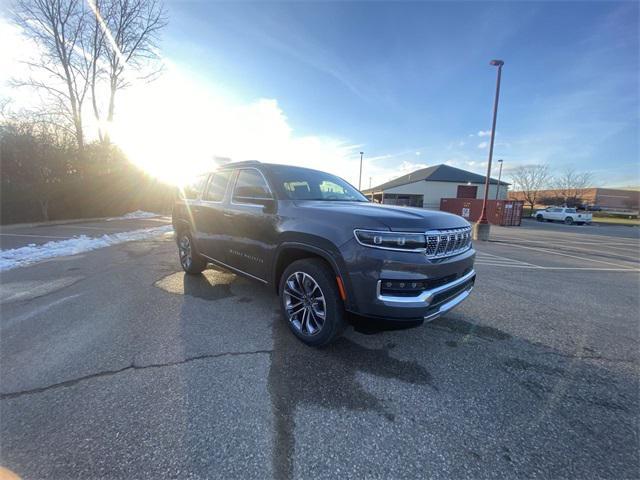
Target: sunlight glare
[175, 128]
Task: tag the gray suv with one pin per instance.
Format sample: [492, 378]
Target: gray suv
[323, 247]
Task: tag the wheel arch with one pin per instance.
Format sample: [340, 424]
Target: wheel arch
[290, 251]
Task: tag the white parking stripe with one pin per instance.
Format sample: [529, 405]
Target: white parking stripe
[574, 247]
[488, 259]
[578, 242]
[553, 252]
[586, 269]
[483, 257]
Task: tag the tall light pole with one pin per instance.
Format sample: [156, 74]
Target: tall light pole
[481, 229]
[360, 177]
[499, 178]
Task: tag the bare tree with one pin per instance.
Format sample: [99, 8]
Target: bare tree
[127, 42]
[37, 155]
[571, 185]
[62, 69]
[530, 180]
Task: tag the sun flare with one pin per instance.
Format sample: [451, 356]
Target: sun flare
[176, 128]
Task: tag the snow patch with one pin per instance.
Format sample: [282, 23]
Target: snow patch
[20, 257]
[136, 214]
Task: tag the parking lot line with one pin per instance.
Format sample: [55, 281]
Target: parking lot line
[577, 242]
[553, 252]
[572, 245]
[484, 258]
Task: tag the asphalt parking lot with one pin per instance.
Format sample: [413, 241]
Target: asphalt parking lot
[115, 364]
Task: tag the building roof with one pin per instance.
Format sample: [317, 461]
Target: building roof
[437, 173]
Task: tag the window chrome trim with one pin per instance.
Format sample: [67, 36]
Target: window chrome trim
[235, 183]
[226, 187]
[424, 298]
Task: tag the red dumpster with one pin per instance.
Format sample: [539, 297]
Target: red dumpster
[499, 212]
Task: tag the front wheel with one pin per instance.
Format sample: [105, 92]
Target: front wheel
[568, 221]
[311, 302]
[539, 218]
[190, 260]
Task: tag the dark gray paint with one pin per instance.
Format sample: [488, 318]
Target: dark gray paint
[250, 238]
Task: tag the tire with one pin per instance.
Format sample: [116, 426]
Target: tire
[568, 221]
[539, 218]
[190, 260]
[309, 285]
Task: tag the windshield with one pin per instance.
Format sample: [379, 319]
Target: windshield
[305, 184]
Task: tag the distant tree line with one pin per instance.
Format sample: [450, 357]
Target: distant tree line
[537, 185]
[87, 52]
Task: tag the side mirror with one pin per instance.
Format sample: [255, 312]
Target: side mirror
[268, 204]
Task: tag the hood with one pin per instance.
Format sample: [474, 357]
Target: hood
[375, 215]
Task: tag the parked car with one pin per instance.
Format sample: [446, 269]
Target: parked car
[563, 214]
[323, 247]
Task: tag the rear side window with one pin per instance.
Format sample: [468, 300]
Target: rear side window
[570, 210]
[217, 186]
[250, 186]
[194, 189]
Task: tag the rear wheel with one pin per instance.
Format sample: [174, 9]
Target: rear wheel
[568, 221]
[311, 303]
[190, 260]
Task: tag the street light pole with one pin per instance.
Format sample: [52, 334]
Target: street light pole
[499, 178]
[481, 230]
[360, 177]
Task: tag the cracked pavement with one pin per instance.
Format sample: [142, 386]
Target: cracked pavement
[114, 364]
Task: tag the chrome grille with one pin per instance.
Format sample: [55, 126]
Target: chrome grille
[445, 243]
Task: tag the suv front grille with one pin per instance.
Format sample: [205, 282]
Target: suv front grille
[445, 243]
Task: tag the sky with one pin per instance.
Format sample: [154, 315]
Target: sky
[407, 83]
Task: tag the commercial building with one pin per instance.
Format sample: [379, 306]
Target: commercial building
[425, 187]
[606, 198]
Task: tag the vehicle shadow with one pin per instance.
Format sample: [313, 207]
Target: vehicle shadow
[326, 378]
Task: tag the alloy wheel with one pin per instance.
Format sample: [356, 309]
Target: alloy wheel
[304, 303]
[184, 249]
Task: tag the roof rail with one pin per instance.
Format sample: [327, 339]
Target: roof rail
[244, 162]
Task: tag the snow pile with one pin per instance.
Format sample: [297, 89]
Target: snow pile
[136, 214]
[19, 257]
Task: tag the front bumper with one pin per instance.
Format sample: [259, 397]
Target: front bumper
[436, 301]
[368, 267]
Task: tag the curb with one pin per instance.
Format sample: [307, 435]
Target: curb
[51, 223]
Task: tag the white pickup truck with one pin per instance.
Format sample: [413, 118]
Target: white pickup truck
[563, 214]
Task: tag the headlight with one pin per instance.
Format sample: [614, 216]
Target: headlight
[411, 242]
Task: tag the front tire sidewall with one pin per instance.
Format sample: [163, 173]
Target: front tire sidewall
[323, 275]
[198, 263]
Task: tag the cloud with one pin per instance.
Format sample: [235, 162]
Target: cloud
[483, 144]
[181, 135]
[484, 133]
